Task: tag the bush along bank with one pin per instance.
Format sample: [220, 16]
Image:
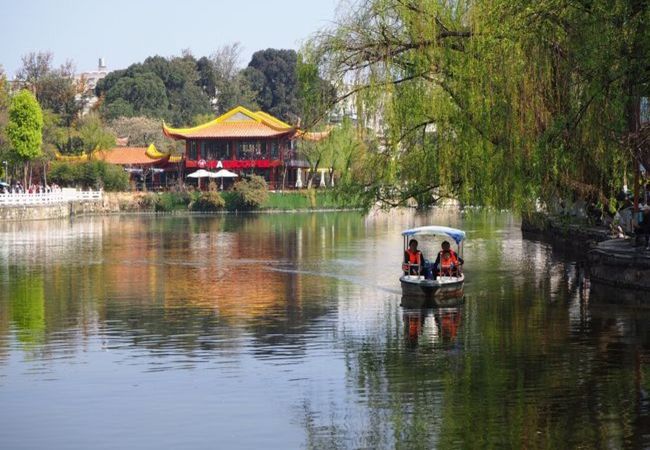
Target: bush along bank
[248, 195]
[231, 201]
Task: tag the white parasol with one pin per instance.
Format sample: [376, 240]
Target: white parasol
[223, 173]
[201, 173]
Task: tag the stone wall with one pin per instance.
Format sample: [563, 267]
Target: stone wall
[110, 203]
[45, 212]
[619, 263]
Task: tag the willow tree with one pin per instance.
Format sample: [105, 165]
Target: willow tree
[497, 102]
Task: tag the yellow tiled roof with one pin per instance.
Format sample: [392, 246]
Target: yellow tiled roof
[236, 123]
[127, 155]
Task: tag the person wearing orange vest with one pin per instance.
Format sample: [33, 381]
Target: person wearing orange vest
[414, 258]
[448, 262]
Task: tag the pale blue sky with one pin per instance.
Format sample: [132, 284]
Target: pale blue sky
[127, 31]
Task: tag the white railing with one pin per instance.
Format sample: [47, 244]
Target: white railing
[48, 198]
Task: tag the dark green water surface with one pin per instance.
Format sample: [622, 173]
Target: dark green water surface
[287, 332]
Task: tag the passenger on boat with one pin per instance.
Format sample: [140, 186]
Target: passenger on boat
[413, 259]
[448, 262]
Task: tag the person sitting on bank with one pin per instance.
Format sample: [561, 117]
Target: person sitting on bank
[642, 228]
[448, 262]
[413, 259]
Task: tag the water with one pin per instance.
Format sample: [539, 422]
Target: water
[286, 331]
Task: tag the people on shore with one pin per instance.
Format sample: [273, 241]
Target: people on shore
[643, 226]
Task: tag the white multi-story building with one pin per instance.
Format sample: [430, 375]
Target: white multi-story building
[88, 81]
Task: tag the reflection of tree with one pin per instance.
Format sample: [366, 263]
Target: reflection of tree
[186, 284]
[27, 300]
[532, 365]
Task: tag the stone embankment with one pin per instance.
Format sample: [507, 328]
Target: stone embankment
[615, 262]
[619, 262]
[110, 203]
[561, 231]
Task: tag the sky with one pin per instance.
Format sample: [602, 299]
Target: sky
[124, 32]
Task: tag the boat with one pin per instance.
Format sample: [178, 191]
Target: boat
[423, 287]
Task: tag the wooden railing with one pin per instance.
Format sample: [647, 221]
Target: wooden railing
[48, 198]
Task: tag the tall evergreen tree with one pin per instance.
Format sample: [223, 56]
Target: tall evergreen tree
[25, 128]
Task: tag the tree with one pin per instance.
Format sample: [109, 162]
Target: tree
[58, 91]
[25, 128]
[161, 88]
[272, 76]
[55, 89]
[145, 92]
[315, 96]
[4, 118]
[35, 67]
[94, 135]
[529, 109]
[141, 131]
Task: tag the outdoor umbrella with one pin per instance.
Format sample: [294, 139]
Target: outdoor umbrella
[201, 173]
[223, 173]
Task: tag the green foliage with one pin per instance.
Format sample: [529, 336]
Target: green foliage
[141, 131]
[315, 96]
[160, 88]
[249, 193]
[222, 80]
[64, 173]
[4, 116]
[117, 108]
[94, 135]
[148, 202]
[502, 103]
[92, 174]
[55, 89]
[272, 76]
[25, 126]
[208, 201]
[144, 92]
[173, 201]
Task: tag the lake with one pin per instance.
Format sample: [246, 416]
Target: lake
[286, 331]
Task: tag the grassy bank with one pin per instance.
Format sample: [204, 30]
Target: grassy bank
[308, 199]
[276, 201]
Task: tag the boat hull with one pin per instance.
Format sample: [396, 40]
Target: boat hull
[443, 291]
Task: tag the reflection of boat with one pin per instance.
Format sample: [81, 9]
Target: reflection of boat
[420, 286]
[447, 323]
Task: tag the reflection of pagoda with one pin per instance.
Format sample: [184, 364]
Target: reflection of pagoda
[245, 142]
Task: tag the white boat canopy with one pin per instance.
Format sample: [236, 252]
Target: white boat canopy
[432, 230]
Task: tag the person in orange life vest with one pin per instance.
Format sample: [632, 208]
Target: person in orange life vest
[414, 257]
[448, 262]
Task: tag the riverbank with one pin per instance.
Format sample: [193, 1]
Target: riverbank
[614, 262]
[618, 262]
[565, 231]
[142, 202]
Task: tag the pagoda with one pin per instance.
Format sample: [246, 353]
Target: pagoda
[245, 142]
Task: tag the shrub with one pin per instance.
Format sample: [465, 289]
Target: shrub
[148, 202]
[91, 174]
[249, 193]
[208, 201]
[173, 201]
[63, 173]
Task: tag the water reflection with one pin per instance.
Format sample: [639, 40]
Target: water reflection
[434, 325]
[184, 328]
